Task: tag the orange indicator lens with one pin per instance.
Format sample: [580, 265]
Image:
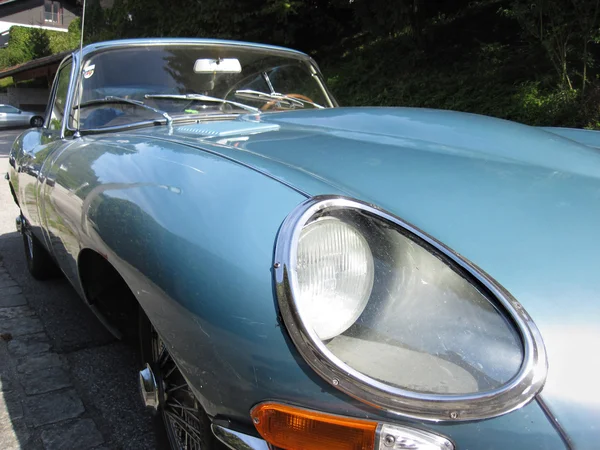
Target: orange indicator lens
[292, 428]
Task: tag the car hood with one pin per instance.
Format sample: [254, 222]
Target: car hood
[520, 202]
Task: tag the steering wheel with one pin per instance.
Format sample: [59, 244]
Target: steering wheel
[272, 103]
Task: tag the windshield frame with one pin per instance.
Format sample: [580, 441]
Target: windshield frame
[92, 50]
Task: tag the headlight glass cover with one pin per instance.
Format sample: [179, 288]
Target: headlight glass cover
[392, 317]
[335, 275]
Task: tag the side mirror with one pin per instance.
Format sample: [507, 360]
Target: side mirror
[20, 112]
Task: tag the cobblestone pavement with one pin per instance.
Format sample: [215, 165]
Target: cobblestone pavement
[65, 383]
[39, 407]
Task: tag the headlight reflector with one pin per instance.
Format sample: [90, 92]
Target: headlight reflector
[390, 316]
[335, 276]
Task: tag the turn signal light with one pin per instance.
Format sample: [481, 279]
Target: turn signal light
[291, 428]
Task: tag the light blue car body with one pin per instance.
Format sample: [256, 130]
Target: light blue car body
[189, 216]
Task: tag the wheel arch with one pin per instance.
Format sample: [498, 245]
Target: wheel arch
[107, 293]
[122, 313]
[13, 193]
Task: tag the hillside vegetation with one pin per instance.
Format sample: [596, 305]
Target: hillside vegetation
[533, 62]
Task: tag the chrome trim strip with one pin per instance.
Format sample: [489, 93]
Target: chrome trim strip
[276, 50]
[66, 60]
[70, 92]
[401, 437]
[238, 441]
[333, 103]
[520, 390]
[555, 423]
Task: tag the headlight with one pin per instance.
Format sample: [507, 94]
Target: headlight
[335, 276]
[392, 317]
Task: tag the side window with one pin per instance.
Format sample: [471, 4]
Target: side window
[9, 109]
[295, 79]
[60, 98]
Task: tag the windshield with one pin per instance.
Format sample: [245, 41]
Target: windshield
[127, 85]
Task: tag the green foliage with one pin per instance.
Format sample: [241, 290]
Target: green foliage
[305, 24]
[25, 44]
[533, 62]
[517, 59]
[491, 76]
[6, 82]
[60, 42]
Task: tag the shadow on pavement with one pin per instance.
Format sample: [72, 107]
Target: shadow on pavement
[86, 382]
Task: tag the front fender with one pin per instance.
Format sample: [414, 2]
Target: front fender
[193, 234]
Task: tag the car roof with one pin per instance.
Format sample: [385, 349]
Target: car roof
[98, 46]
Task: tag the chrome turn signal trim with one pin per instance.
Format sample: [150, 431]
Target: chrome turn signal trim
[398, 437]
[517, 392]
[238, 441]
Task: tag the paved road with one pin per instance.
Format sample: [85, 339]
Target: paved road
[65, 383]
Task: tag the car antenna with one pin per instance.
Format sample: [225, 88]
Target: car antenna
[77, 134]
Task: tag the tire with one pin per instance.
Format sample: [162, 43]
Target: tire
[39, 262]
[36, 121]
[170, 431]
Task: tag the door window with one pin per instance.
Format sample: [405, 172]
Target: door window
[60, 98]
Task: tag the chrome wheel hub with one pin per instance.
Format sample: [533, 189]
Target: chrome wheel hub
[164, 389]
[149, 388]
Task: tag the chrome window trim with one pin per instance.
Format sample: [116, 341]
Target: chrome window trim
[122, 43]
[431, 407]
[52, 97]
[75, 68]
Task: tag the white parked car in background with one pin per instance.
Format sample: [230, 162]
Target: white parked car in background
[14, 117]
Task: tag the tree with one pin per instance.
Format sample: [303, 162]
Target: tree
[586, 13]
[552, 24]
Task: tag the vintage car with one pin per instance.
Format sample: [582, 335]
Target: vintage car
[303, 276]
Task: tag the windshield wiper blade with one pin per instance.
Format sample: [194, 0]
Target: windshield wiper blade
[204, 98]
[251, 94]
[127, 101]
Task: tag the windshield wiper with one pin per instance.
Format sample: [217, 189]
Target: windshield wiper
[251, 94]
[126, 101]
[203, 98]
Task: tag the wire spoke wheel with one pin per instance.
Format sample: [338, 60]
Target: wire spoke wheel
[178, 407]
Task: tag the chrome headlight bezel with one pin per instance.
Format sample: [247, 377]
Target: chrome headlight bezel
[517, 392]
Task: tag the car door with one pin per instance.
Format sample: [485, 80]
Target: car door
[14, 116]
[40, 146]
[58, 206]
[4, 116]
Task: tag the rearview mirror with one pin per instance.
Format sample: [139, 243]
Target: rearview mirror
[221, 65]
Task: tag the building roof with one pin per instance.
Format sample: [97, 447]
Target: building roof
[34, 64]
